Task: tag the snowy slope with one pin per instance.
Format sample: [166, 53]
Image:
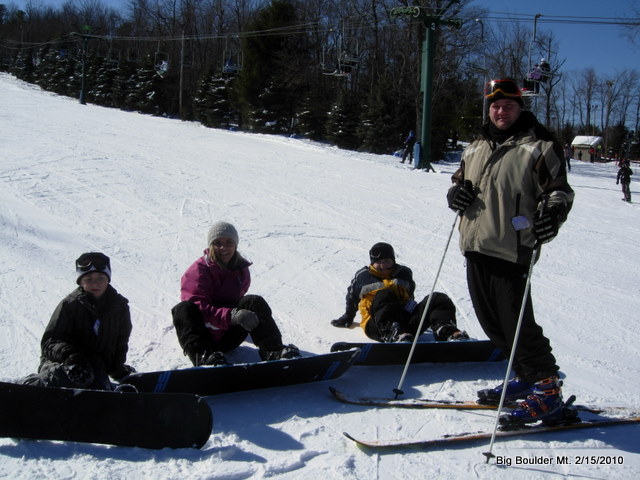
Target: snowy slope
[144, 190]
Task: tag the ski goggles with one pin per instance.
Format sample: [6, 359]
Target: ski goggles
[88, 262]
[505, 87]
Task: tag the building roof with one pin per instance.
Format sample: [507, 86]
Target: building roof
[586, 141]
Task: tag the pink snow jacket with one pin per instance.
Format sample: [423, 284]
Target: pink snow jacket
[216, 290]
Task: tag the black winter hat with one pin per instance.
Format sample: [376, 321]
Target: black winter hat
[381, 251]
[92, 262]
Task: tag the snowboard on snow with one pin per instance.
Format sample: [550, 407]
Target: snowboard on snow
[145, 420]
[374, 353]
[214, 380]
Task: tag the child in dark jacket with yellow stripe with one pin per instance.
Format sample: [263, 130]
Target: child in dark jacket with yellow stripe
[383, 292]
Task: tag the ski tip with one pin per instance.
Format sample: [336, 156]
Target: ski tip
[346, 434]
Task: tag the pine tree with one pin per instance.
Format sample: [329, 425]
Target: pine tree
[271, 113]
[144, 90]
[312, 117]
[342, 122]
[212, 102]
[23, 67]
[376, 128]
[103, 76]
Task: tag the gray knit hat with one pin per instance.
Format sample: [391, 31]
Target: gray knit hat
[222, 230]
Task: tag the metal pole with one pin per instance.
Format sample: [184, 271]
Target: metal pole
[398, 389]
[83, 77]
[181, 76]
[426, 83]
[489, 454]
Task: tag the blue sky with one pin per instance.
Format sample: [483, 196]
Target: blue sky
[603, 47]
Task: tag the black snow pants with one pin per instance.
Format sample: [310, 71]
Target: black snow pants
[194, 337]
[496, 288]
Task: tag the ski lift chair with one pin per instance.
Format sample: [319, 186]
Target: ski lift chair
[161, 63]
[231, 66]
[347, 63]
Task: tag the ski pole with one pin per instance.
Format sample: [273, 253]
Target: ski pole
[489, 454]
[398, 390]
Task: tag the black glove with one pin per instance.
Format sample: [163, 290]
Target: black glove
[245, 318]
[79, 370]
[343, 322]
[546, 225]
[122, 371]
[460, 196]
[77, 359]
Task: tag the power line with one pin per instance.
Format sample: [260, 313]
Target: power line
[563, 19]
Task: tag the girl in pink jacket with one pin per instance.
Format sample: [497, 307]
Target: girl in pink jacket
[215, 314]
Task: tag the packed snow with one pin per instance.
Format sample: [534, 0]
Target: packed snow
[144, 190]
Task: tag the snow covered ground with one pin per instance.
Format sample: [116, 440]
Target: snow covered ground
[144, 190]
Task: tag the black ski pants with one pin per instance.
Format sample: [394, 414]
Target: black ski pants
[194, 337]
[386, 308]
[496, 288]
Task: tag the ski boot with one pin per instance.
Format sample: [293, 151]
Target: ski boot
[391, 333]
[544, 404]
[517, 389]
[448, 333]
[283, 353]
[215, 359]
[405, 337]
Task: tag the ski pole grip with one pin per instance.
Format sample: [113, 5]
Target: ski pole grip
[544, 201]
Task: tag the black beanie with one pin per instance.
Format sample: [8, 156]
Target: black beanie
[92, 262]
[381, 251]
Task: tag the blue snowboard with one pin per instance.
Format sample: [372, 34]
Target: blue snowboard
[245, 376]
[426, 352]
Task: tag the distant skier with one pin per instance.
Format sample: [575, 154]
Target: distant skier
[383, 293]
[216, 315]
[624, 178]
[409, 143]
[86, 340]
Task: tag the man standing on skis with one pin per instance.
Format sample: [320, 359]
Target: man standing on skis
[512, 193]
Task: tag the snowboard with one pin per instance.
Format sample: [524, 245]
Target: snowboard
[145, 420]
[436, 352]
[215, 380]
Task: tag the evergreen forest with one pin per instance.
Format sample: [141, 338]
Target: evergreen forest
[348, 73]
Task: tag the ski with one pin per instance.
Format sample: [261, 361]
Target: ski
[450, 404]
[473, 437]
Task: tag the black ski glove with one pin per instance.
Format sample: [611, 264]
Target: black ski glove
[546, 225]
[343, 322]
[79, 370]
[460, 196]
